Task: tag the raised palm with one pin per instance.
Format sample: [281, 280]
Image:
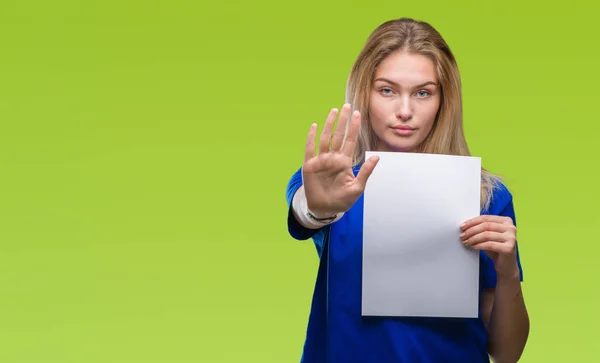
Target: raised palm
[329, 182]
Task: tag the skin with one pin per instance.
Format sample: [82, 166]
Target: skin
[406, 93]
[503, 308]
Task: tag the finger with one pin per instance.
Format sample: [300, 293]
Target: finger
[340, 130]
[326, 133]
[352, 136]
[485, 218]
[501, 248]
[365, 171]
[486, 236]
[309, 152]
[483, 226]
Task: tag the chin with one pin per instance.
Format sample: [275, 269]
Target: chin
[401, 143]
[405, 149]
[400, 146]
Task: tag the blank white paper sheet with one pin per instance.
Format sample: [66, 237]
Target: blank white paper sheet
[414, 263]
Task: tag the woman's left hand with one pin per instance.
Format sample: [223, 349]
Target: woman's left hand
[497, 236]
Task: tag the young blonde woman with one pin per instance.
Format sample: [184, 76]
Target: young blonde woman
[403, 94]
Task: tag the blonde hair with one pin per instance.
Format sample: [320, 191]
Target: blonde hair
[447, 135]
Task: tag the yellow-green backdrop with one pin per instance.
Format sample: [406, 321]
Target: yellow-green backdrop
[145, 148]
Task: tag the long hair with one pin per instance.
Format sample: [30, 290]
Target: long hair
[446, 135]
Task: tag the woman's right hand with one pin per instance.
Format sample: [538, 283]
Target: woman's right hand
[329, 182]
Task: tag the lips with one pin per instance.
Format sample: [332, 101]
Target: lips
[403, 130]
[404, 127]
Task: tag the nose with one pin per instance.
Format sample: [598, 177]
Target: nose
[404, 111]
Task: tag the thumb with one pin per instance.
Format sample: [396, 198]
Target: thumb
[366, 170]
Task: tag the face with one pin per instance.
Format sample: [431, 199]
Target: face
[404, 101]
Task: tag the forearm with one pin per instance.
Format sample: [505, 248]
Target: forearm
[508, 327]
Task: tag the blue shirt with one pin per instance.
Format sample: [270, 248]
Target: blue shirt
[338, 333]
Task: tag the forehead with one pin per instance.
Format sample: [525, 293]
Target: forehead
[403, 67]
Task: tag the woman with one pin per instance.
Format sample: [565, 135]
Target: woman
[403, 94]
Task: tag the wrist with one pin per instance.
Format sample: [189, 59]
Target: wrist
[508, 276]
[507, 287]
[320, 214]
[308, 217]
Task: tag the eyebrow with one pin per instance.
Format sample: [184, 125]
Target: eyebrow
[396, 84]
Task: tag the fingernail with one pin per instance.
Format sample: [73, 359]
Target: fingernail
[462, 235]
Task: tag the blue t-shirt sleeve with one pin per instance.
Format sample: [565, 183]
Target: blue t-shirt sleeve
[295, 229]
[502, 205]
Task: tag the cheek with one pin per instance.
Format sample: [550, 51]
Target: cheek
[429, 112]
[378, 111]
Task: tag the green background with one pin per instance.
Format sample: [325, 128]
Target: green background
[145, 148]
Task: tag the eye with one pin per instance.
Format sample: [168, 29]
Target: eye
[386, 91]
[423, 93]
